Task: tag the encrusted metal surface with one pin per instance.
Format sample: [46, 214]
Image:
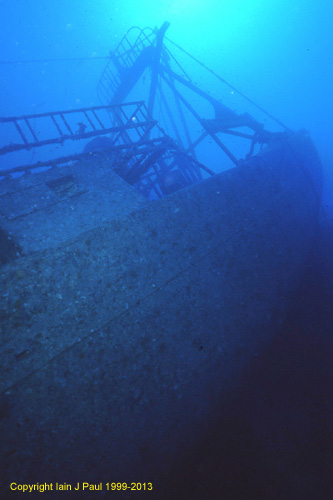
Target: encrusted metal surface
[47, 208]
[118, 343]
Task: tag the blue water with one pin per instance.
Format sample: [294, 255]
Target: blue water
[277, 52]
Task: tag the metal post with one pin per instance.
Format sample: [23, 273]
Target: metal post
[156, 66]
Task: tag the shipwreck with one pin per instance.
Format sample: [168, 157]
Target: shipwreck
[143, 268]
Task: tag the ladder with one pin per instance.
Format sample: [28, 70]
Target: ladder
[123, 57]
[56, 127]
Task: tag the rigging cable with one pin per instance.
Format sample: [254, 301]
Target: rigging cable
[179, 48]
[228, 84]
[54, 60]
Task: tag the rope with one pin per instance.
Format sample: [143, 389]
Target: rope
[29, 61]
[32, 61]
[228, 84]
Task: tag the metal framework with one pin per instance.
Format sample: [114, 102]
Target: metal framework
[131, 133]
[57, 127]
[140, 50]
[155, 166]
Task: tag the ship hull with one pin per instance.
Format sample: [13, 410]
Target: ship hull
[121, 343]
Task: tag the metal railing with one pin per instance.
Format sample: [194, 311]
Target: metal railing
[127, 122]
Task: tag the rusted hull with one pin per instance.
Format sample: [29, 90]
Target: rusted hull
[120, 343]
